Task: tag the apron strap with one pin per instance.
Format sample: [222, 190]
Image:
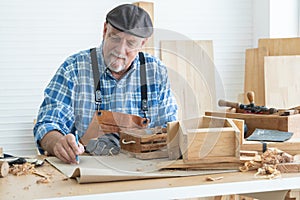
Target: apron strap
[143, 78]
[144, 100]
[96, 75]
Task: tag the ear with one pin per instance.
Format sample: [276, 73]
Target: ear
[144, 42]
[104, 30]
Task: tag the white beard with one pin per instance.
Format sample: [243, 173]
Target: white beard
[116, 69]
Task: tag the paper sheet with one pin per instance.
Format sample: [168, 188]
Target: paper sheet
[119, 167]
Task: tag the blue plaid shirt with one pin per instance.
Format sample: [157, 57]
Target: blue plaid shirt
[69, 102]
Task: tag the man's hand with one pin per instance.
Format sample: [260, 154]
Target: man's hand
[63, 147]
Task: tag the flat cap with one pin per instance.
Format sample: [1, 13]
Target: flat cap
[131, 19]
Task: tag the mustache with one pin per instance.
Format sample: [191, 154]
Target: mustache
[118, 55]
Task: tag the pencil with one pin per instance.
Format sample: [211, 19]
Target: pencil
[77, 142]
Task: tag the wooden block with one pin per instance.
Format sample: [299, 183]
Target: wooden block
[209, 140]
[291, 146]
[173, 140]
[288, 167]
[248, 153]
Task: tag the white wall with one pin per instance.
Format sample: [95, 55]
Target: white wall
[37, 35]
[283, 18]
[275, 19]
[261, 20]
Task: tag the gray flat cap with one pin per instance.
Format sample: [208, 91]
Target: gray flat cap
[131, 19]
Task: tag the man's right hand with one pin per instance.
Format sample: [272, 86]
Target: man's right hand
[62, 146]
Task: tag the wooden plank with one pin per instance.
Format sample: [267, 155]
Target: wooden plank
[280, 46]
[180, 164]
[149, 8]
[192, 73]
[162, 153]
[282, 83]
[288, 167]
[254, 74]
[251, 71]
[254, 64]
[291, 146]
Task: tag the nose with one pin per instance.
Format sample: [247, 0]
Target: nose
[122, 47]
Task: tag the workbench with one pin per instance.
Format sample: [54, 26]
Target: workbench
[25, 187]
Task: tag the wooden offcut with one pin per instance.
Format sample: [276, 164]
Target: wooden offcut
[4, 169]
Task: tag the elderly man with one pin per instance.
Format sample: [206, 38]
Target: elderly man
[125, 81]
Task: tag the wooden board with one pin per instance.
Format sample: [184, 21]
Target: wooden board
[280, 46]
[149, 8]
[282, 81]
[192, 75]
[254, 65]
[254, 74]
[288, 167]
[180, 164]
[291, 146]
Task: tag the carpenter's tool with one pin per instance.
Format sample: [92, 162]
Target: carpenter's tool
[250, 108]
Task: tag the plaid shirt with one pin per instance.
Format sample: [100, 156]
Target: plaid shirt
[69, 102]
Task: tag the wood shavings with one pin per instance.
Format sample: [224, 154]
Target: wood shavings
[266, 168]
[26, 169]
[209, 178]
[43, 181]
[250, 165]
[274, 156]
[267, 171]
[22, 169]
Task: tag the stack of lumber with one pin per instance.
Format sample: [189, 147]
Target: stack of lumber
[271, 72]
